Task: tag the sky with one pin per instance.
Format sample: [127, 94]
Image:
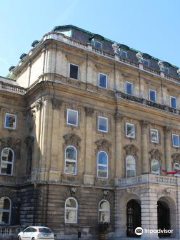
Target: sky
[150, 26]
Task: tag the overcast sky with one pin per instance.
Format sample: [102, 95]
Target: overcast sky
[151, 26]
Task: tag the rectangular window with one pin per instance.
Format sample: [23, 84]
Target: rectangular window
[152, 95]
[146, 62]
[102, 80]
[102, 124]
[130, 130]
[173, 102]
[129, 88]
[96, 43]
[72, 117]
[154, 136]
[175, 140]
[123, 54]
[73, 71]
[10, 121]
[166, 70]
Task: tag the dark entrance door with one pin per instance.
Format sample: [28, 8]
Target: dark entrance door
[163, 212]
[133, 217]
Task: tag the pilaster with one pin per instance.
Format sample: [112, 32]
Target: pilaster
[144, 147]
[167, 147]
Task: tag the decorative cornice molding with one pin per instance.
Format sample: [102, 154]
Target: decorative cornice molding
[155, 154]
[72, 139]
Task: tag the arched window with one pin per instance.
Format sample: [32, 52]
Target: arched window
[155, 166]
[102, 165]
[130, 166]
[71, 160]
[104, 211]
[7, 159]
[71, 210]
[5, 211]
[177, 168]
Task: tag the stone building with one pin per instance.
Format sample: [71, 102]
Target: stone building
[89, 133]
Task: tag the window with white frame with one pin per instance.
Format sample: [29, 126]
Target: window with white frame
[173, 102]
[103, 124]
[72, 117]
[175, 140]
[104, 212]
[102, 80]
[10, 121]
[7, 160]
[71, 210]
[130, 166]
[71, 160]
[102, 165]
[177, 168]
[73, 71]
[155, 166]
[130, 130]
[129, 88]
[152, 95]
[154, 136]
[5, 211]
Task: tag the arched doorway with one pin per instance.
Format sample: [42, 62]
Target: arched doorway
[133, 217]
[164, 218]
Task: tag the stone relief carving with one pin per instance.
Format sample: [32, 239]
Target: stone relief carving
[39, 104]
[176, 158]
[131, 149]
[103, 144]
[118, 117]
[89, 111]
[56, 103]
[72, 139]
[31, 120]
[29, 141]
[10, 142]
[155, 154]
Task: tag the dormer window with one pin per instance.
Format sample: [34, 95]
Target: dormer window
[146, 62]
[123, 53]
[96, 43]
[67, 33]
[166, 70]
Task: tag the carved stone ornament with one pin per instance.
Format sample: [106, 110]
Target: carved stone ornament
[72, 139]
[155, 154]
[73, 190]
[105, 192]
[131, 149]
[39, 104]
[118, 117]
[176, 158]
[166, 191]
[103, 144]
[31, 120]
[178, 72]
[139, 57]
[161, 65]
[115, 47]
[89, 111]
[167, 129]
[10, 142]
[56, 103]
[144, 124]
[29, 141]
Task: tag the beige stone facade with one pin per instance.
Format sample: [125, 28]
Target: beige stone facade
[42, 178]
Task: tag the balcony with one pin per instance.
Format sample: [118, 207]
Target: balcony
[148, 178]
[147, 103]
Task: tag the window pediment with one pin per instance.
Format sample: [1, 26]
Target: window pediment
[155, 154]
[131, 149]
[176, 158]
[103, 144]
[72, 139]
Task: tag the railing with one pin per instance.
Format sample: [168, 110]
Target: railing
[7, 232]
[12, 88]
[148, 178]
[147, 102]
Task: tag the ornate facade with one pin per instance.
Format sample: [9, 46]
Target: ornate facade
[89, 134]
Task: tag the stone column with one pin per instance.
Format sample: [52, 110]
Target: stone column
[88, 175]
[167, 147]
[144, 147]
[149, 213]
[119, 161]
